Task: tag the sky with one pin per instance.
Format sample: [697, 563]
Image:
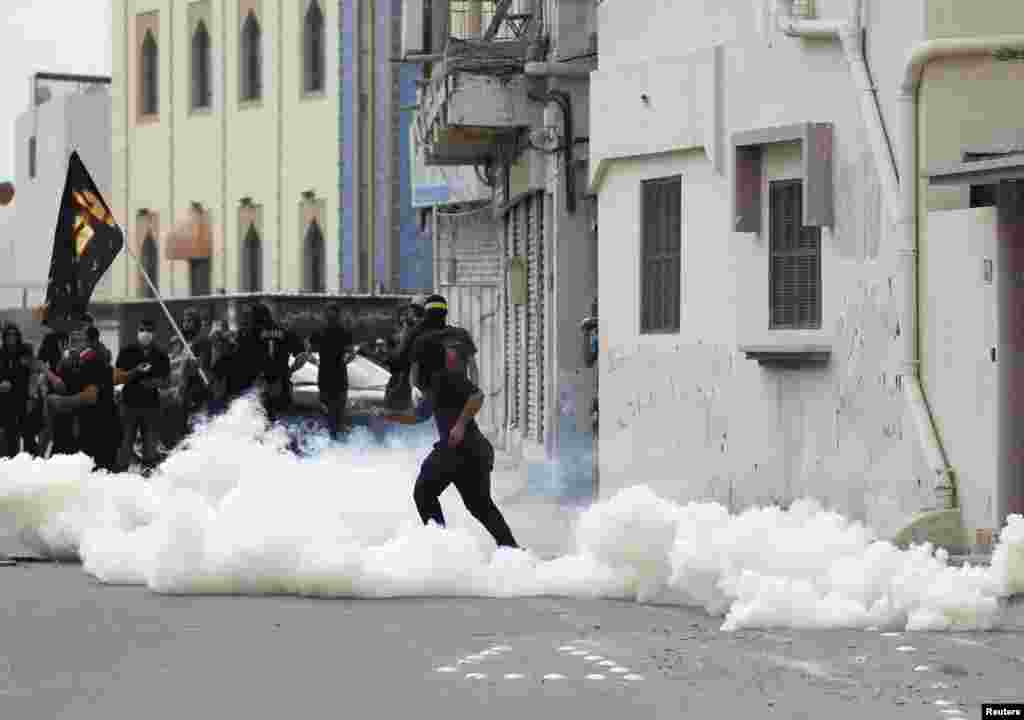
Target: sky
[68, 36]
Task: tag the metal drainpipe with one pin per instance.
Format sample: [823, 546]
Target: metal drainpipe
[909, 130]
[901, 201]
[563, 101]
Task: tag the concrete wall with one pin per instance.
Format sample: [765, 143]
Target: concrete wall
[687, 412]
[69, 121]
[271, 150]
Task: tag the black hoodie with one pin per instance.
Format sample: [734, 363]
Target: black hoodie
[15, 368]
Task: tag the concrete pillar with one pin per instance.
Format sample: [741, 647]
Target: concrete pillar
[1010, 358]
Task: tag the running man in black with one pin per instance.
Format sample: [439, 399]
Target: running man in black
[462, 454]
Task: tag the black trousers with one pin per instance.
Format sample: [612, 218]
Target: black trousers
[11, 427]
[101, 437]
[469, 468]
[336, 402]
[64, 440]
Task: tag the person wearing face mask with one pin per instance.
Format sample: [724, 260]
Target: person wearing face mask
[142, 368]
[15, 372]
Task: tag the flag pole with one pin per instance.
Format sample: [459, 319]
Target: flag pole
[167, 312]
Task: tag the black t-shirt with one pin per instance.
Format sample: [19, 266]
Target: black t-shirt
[15, 368]
[93, 369]
[134, 393]
[267, 351]
[429, 352]
[332, 343]
[449, 392]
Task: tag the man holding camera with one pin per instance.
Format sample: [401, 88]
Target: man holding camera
[142, 368]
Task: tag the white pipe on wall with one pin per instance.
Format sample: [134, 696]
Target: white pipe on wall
[901, 200]
[919, 57]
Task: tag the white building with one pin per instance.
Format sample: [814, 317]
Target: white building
[69, 112]
[761, 243]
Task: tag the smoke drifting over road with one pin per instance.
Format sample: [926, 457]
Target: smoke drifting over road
[234, 513]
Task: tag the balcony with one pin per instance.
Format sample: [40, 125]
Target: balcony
[476, 102]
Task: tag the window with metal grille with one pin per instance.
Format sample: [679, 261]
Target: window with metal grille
[200, 67]
[252, 59]
[795, 285]
[199, 276]
[252, 261]
[149, 75]
[151, 264]
[313, 45]
[661, 255]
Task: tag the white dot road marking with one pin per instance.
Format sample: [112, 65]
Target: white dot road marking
[476, 676]
[514, 676]
[619, 670]
[578, 652]
[595, 676]
[860, 659]
[922, 668]
[554, 676]
[566, 648]
[592, 658]
[891, 634]
[943, 702]
[446, 669]
[906, 648]
[606, 663]
[632, 676]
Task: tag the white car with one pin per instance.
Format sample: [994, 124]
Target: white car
[367, 382]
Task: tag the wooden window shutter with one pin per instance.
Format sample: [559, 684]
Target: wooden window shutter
[795, 261]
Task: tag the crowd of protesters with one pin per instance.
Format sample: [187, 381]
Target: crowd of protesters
[63, 399]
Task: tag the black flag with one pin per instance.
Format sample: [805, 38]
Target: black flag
[84, 246]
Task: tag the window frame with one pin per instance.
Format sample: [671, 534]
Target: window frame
[797, 251]
[312, 264]
[309, 64]
[201, 75]
[151, 264]
[149, 76]
[252, 269]
[669, 320]
[198, 267]
[250, 78]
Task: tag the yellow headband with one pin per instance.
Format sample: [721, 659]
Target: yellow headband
[436, 306]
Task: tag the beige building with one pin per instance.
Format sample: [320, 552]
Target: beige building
[226, 146]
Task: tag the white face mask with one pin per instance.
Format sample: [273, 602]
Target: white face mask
[145, 338]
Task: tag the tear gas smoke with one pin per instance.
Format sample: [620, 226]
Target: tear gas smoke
[234, 512]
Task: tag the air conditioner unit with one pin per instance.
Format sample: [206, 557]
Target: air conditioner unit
[412, 28]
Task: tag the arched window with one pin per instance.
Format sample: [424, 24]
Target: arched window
[252, 59]
[149, 75]
[314, 252]
[252, 261]
[201, 67]
[151, 264]
[313, 48]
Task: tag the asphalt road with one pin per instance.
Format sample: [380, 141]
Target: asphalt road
[75, 649]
